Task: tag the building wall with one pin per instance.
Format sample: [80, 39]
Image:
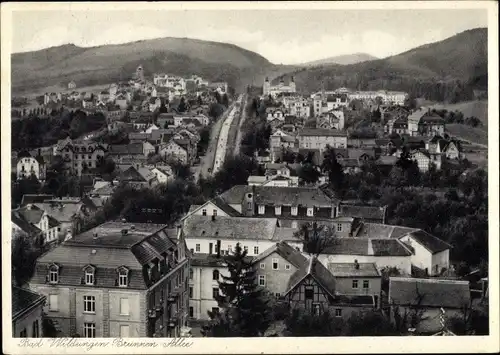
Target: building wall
[421, 258]
[210, 208]
[442, 260]
[401, 262]
[320, 142]
[31, 166]
[203, 284]
[204, 244]
[276, 280]
[27, 322]
[344, 286]
[136, 316]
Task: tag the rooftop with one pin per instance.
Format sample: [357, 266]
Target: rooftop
[350, 270]
[432, 292]
[430, 242]
[290, 254]
[113, 234]
[23, 300]
[321, 132]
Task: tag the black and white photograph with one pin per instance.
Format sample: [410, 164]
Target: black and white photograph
[182, 173]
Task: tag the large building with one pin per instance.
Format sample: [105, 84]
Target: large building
[27, 313]
[275, 90]
[28, 165]
[117, 280]
[79, 156]
[319, 138]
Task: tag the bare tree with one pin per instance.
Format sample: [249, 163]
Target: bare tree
[316, 238]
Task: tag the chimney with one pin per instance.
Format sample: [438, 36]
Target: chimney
[356, 264]
[218, 248]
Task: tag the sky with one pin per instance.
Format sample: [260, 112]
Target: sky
[281, 36]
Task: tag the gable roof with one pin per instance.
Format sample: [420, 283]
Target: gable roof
[434, 292]
[318, 272]
[350, 270]
[237, 228]
[23, 300]
[283, 249]
[62, 211]
[31, 213]
[365, 212]
[126, 149]
[313, 132]
[365, 246]
[27, 227]
[381, 231]
[131, 174]
[428, 241]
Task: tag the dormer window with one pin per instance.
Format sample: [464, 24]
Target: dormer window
[89, 275]
[294, 210]
[262, 209]
[277, 210]
[54, 274]
[310, 212]
[123, 273]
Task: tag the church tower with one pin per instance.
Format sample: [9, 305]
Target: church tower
[267, 87]
[292, 85]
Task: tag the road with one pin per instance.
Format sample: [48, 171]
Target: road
[221, 148]
[207, 161]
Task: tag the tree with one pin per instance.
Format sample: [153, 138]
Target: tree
[25, 251]
[333, 168]
[225, 100]
[309, 173]
[182, 105]
[244, 308]
[301, 323]
[316, 239]
[200, 100]
[218, 97]
[369, 323]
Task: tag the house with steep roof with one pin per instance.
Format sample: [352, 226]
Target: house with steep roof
[430, 253]
[275, 266]
[28, 165]
[423, 299]
[275, 180]
[117, 280]
[34, 221]
[80, 156]
[27, 313]
[313, 288]
[132, 150]
[138, 177]
[373, 214]
[426, 159]
[173, 150]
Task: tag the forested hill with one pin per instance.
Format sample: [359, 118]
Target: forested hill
[448, 70]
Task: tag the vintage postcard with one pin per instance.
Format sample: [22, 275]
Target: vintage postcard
[250, 177]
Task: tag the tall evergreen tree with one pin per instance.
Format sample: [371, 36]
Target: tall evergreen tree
[244, 306]
[182, 105]
[333, 168]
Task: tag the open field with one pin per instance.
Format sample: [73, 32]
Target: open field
[467, 133]
[478, 108]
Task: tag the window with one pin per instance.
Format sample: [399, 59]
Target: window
[204, 212]
[262, 280]
[245, 248]
[215, 309]
[24, 333]
[215, 292]
[256, 250]
[89, 330]
[215, 275]
[89, 276]
[123, 278]
[277, 210]
[190, 291]
[191, 273]
[354, 283]
[309, 293]
[191, 312]
[262, 209]
[339, 227]
[366, 284]
[277, 294]
[124, 308]
[287, 266]
[294, 224]
[310, 212]
[338, 312]
[198, 248]
[262, 265]
[275, 264]
[36, 329]
[54, 274]
[230, 248]
[53, 302]
[124, 331]
[89, 304]
[214, 212]
[249, 205]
